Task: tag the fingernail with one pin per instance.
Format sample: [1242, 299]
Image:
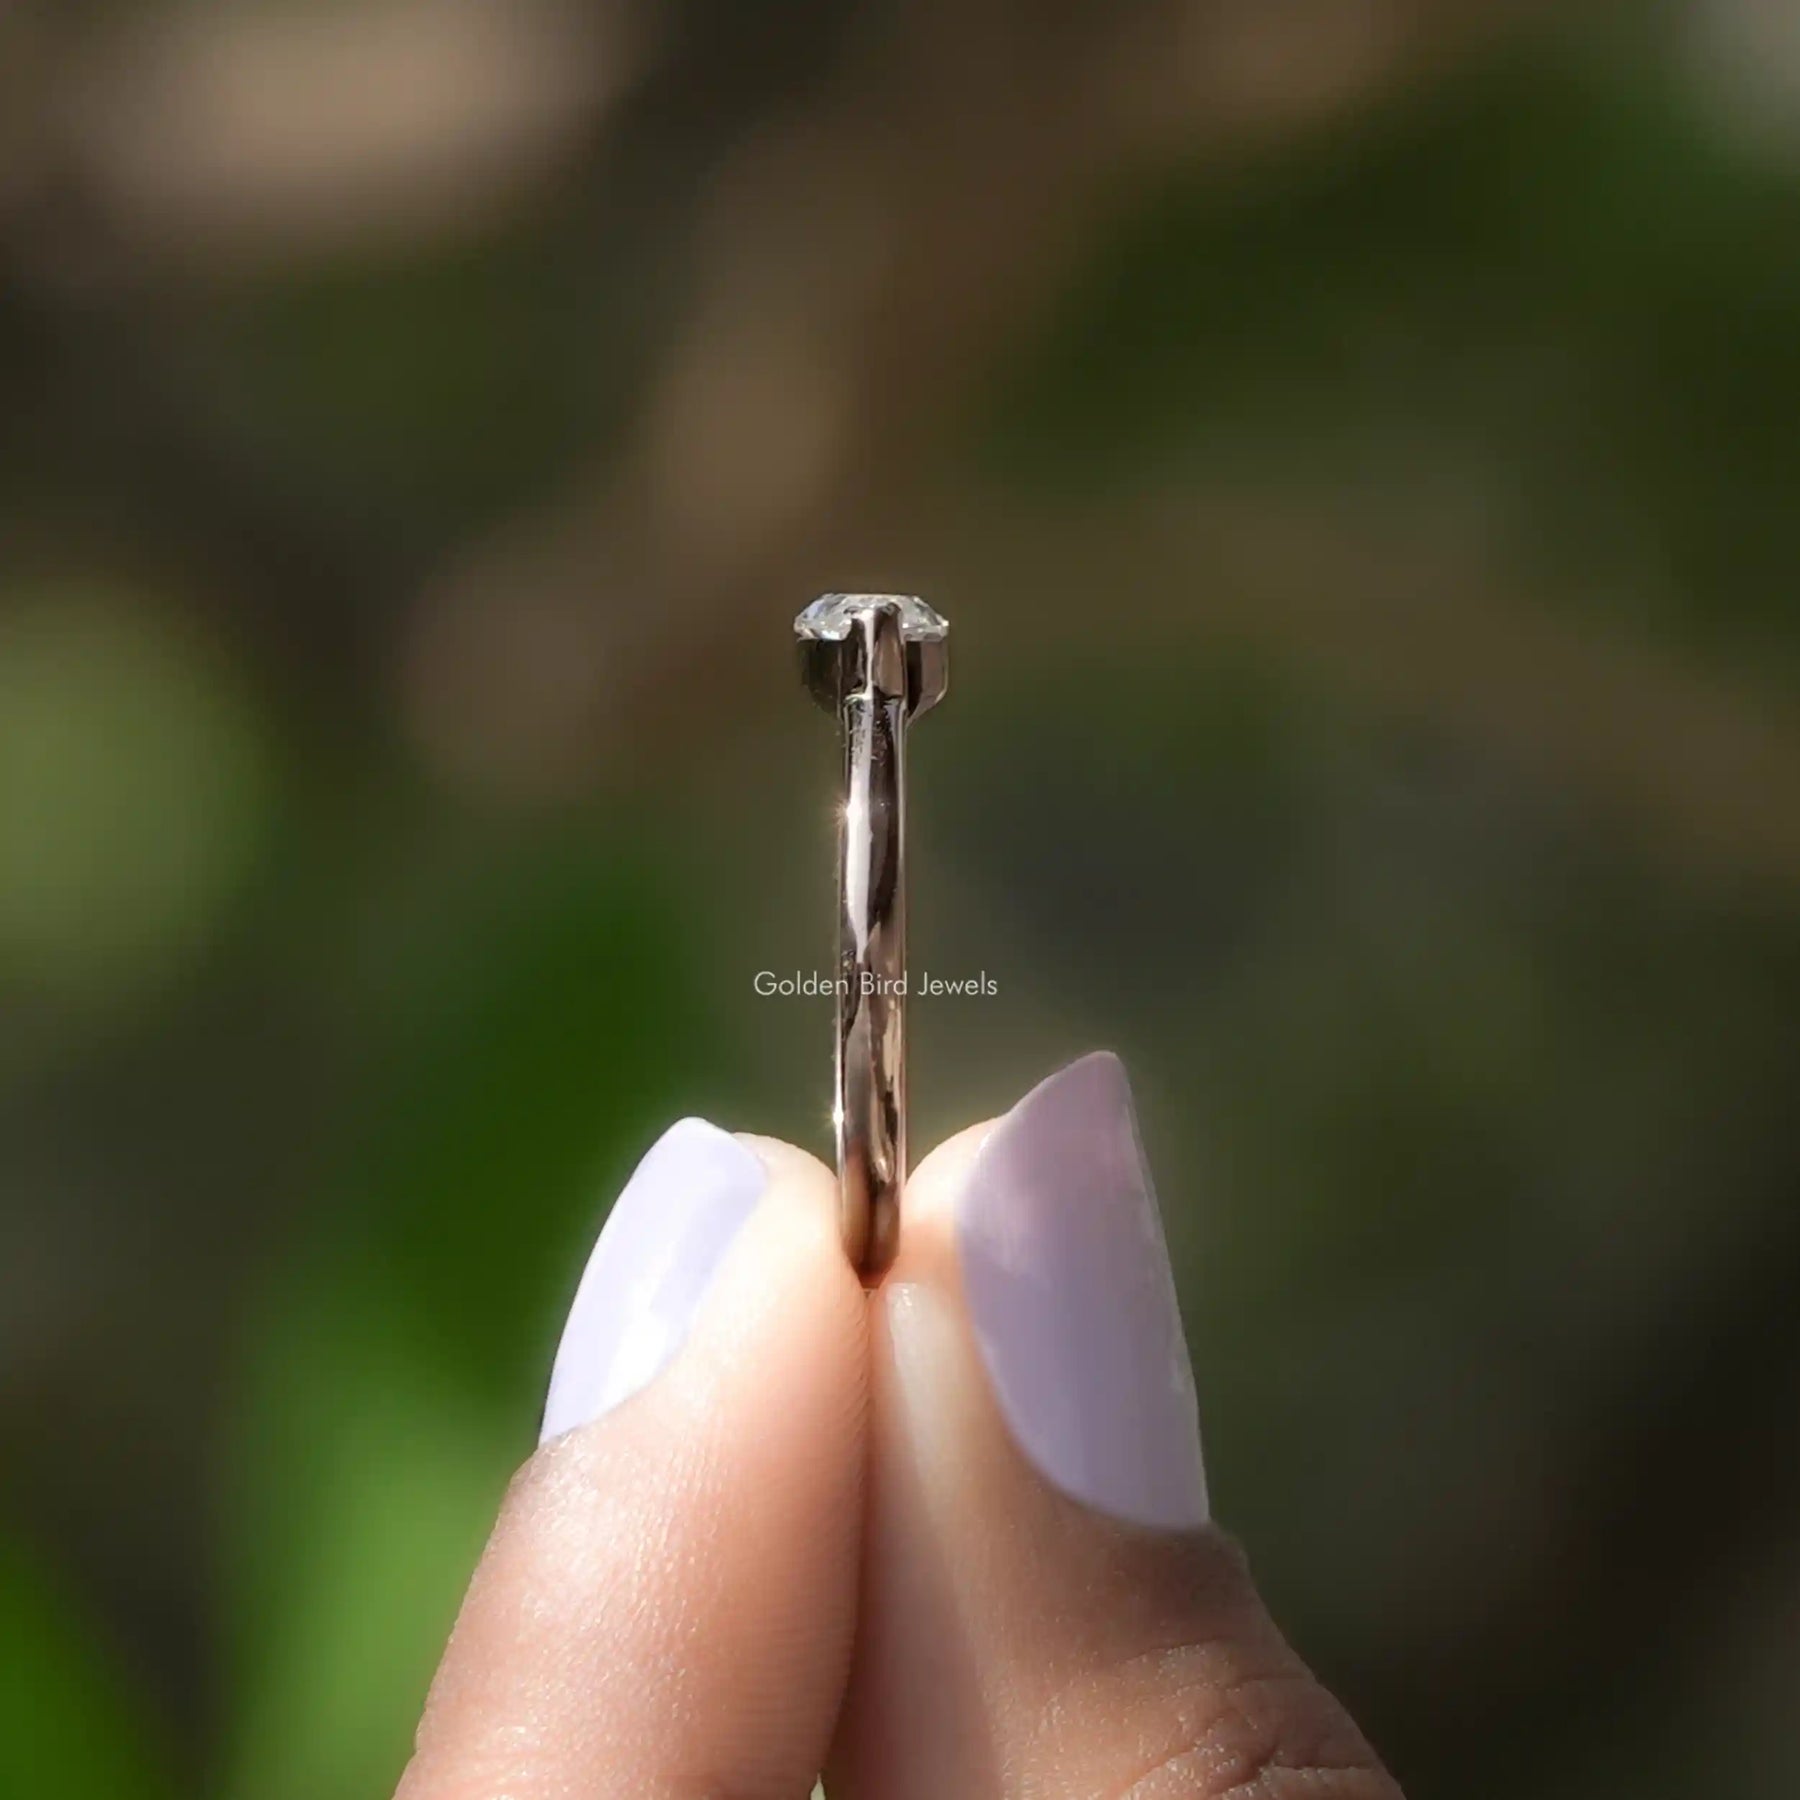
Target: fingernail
[1073, 1304]
[657, 1255]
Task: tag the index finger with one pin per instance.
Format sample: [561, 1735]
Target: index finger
[666, 1604]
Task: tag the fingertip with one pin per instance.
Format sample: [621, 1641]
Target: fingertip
[797, 1179]
[656, 1257]
[928, 1216]
[786, 1294]
[695, 1523]
[796, 1247]
[1093, 1085]
[1042, 1593]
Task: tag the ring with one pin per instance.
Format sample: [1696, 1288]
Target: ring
[877, 661]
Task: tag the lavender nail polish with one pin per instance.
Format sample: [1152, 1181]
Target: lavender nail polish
[657, 1255]
[1069, 1291]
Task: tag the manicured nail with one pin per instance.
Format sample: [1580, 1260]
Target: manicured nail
[1069, 1290]
[661, 1246]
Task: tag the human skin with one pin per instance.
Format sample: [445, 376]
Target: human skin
[946, 1541]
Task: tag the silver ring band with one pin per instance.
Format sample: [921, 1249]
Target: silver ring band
[877, 675]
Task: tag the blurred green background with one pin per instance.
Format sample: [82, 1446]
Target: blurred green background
[1358, 448]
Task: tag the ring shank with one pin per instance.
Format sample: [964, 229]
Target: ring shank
[871, 998]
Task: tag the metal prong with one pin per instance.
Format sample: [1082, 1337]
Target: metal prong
[878, 662]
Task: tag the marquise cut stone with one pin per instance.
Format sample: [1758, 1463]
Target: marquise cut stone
[830, 617]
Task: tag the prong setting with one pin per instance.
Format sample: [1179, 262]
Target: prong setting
[832, 638]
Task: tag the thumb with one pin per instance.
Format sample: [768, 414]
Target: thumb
[1047, 1610]
[665, 1607]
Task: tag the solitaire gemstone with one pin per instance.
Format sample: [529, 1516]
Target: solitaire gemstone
[830, 617]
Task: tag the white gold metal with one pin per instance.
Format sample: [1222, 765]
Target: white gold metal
[877, 661]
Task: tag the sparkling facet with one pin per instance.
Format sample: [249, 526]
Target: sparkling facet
[830, 617]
